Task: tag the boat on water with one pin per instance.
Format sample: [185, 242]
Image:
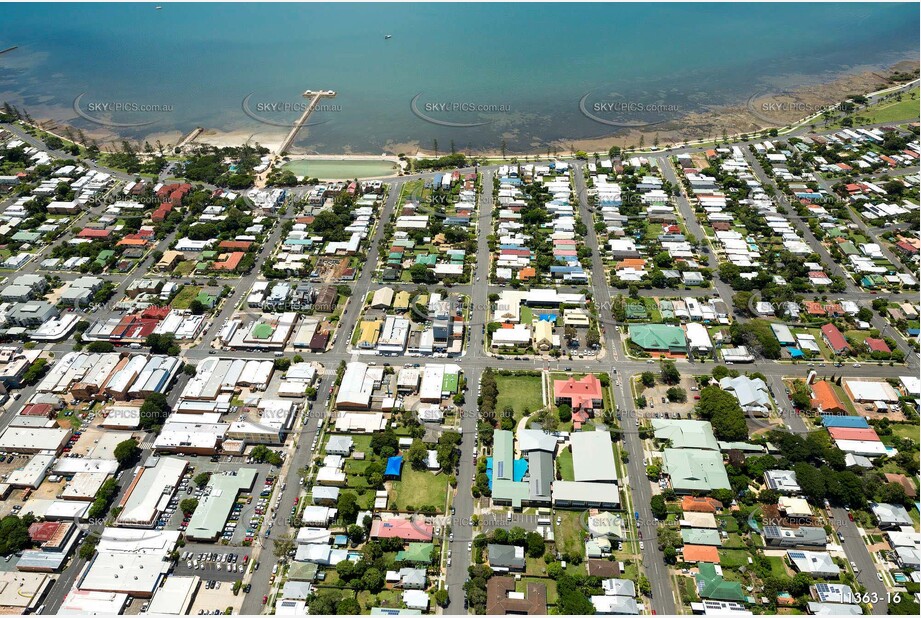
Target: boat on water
[388, 36]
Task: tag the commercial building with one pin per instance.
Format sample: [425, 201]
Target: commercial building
[209, 518]
[149, 493]
[593, 457]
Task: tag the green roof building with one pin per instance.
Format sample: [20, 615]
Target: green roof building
[419, 553]
[104, 256]
[695, 470]
[262, 331]
[659, 338]
[700, 536]
[686, 433]
[208, 520]
[848, 248]
[636, 311]
[711, 585]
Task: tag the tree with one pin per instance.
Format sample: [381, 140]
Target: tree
[348, 607]
[197, 307]
[154, 411]
[162, 344]
[417, 455]
[648, 379]
[356, 533]
[670, 373]
[100, 347]
[188, 505]
[441, 598]
[126, 452]
[722, 409]
[676, 394]
[347, 506]
[88, 547]
[535, 544]
[14, 533]
[373, 580]
[644, 586]
[657, 504]
[283, 545]
[564, 412]
[201, 479]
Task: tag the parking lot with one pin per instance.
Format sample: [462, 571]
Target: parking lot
[246, 515]
[213, 563]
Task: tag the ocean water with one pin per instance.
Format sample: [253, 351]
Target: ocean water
[480, 74]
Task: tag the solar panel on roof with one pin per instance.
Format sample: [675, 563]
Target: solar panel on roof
[798, 554]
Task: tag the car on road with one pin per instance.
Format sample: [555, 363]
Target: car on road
[265, 599]
[642, 546]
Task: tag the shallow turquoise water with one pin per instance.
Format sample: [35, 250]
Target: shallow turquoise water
[528, 66]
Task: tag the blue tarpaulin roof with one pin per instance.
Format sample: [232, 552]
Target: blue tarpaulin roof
[394, 466]
[795, 352]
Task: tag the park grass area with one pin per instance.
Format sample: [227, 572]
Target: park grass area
[417, 488]
[843, 396]
[569, 532]
[519, 392]
[891, 111]
[564, 463]
[185, 297]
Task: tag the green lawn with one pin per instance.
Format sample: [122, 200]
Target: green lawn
[564, 463]
[527, 316]
[892, 110]
[522, 586]
[778, 569]
[733, 558]
[419, 488]
[904, 430]
[519, 392]
[569, 534]
[185, 297]
[385, 598]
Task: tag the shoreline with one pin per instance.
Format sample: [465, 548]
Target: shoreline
[707, 125]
